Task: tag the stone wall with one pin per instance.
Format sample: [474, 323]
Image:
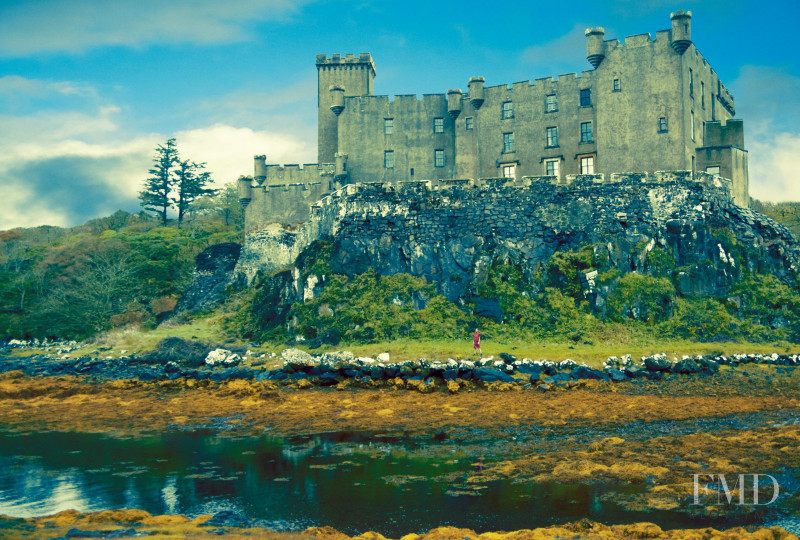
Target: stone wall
[450, 234]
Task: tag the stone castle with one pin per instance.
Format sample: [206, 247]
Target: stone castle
[649, 104]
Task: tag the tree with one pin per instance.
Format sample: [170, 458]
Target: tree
[191, 181]
[155, 196]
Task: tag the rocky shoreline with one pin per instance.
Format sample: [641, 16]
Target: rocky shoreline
[138, 523]
[179, 359]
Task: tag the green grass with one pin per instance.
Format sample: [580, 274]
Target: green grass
[619, 340]
[592, 355]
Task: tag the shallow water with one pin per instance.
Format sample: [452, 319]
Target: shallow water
[351, 483]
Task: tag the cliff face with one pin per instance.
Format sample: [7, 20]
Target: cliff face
[451, 235]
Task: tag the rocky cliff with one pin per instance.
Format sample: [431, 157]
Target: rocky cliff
[451, 234]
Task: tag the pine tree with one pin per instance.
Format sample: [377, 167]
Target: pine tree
[155, 196]
[191, 181]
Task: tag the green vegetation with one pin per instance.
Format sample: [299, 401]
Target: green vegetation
[111, 272]
[173, 182]
[546, 306]
[117, 277]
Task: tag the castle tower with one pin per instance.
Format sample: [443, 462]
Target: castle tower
[595, 49]
[475, 88]
[454, 102]
[260, 169]
[354, 75]
[681, 30]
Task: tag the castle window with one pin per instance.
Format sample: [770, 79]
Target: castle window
[691, 82]
[713, 108]
[586, 132]
[703, 94]
[469, 123]
[550, 103]
[551, 167]
[586, 97]
[587, 165]
[510, 171]
[508, 143]
[507, 111]
[438, 125]
[692, 120]
[388, 159]
[388, 126]
[438, 158]
[552, 137]
[616, 85]
[662, 124]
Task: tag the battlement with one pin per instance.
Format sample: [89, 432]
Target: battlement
[731, 133]
[336, 60]
[398, 99]
[584, 181]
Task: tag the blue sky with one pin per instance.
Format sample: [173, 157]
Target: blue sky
[89, 87]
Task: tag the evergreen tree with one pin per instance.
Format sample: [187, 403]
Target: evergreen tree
[155, 196]
[191, 181]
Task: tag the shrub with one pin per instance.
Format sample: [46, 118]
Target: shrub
[641, 297]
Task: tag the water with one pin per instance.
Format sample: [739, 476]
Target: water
[350, 483]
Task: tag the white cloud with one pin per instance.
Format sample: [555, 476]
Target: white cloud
[768, 100]
[62, 167]
[16, 86]
[775, 167]
[561, 55]
[228, 151]
[79, 25]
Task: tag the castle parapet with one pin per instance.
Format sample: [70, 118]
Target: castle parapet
[415, 186]
[453, 183]
[588, 178]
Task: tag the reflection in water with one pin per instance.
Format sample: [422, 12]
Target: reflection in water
[351, 485]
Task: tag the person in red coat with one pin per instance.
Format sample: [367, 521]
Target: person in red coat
[476, 342]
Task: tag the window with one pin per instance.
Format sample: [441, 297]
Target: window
[388, 159]
[703, 94]
[508, 110]
[692, 119]
[469, 123]
[586, 132]
[552, 137]
[662, 124]
[388, 126]
[508, 143]
[616, 85]
[586, 97]
[438, 158]
[691, 82]
[510, 171]
[587, 165]
[438, 125]
[713, 108]
[551, 167]
[550, 103]
[713, 170]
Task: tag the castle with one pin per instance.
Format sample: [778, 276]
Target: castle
[649, 104]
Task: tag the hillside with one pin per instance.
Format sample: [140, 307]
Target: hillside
[110, 272]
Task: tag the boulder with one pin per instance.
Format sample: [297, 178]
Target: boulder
[616, 375]
[487, 374]
[585, 372]
[657, 363]
[222, 357]
[685, 366]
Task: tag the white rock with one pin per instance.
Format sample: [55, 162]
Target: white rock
[383, 357]
[222, 356]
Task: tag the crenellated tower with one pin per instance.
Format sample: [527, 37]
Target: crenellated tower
[681, 30]
[337, 78]
[595, 48]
